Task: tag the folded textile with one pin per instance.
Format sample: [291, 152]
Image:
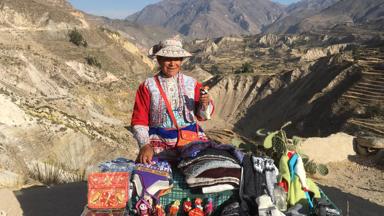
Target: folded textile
[221, 172]
[191, 150]
[196, 169]
[217, 188]
[154, 188]
[152, 179]
[199, 182]
[209, 154]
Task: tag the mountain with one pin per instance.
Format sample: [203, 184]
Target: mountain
[65, 87]
[296, 12]
[321, 15]
[210, 18]
[141, 35]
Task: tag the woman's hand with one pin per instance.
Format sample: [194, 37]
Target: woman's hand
[204, 100]
[146, 154]
[204, 96]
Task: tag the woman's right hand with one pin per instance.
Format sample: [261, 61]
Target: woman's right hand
[146, 154]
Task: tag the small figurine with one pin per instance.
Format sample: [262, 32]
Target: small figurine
[142, 208]
[159, 210]
[187, 205]
[208, 208]
[174, 209]
[198, 203]
[196, 212]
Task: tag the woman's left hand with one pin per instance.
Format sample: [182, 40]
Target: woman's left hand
[205, 99]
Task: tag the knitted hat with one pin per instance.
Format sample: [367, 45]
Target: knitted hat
[172, 47]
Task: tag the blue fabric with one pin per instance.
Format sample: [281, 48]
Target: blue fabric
[117, 165]
[292, 165]
[171, 133]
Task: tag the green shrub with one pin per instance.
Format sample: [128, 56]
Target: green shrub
[245, 68]
[92, 60]
[109, 31]
[215, 69]
[77, 38]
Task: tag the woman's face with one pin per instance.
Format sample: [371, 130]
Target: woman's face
[169, 66]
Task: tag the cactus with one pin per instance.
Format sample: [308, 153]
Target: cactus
[277, 144]
[322, 169]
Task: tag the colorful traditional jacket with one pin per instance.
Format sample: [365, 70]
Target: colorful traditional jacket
[150, 119]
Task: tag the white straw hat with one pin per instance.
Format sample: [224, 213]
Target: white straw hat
[169, 48]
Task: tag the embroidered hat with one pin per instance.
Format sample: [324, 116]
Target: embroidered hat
[172, 47]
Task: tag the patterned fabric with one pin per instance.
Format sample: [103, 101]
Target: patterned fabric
[163, 139]
[181, 191]
[117, 165]
[196, 169]
[193, 149]
[179, 90]
[266, 166]
[150, 112]
[209, 154]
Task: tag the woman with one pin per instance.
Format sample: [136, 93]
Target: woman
[154, 128]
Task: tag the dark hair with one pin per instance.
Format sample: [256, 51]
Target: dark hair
[156, 48]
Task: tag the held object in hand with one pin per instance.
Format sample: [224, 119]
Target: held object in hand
[204, 90]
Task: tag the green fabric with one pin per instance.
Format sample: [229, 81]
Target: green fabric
[295, 193]
[181, 191]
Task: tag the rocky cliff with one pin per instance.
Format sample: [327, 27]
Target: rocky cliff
[64, 107]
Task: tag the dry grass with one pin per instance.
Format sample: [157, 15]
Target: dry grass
[50, 173]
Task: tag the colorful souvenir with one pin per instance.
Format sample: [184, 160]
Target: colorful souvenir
[159, 210]
[174, 209]
[198, 203]
[208, 208]
[187, 205]
[196, 212]
[143, 208]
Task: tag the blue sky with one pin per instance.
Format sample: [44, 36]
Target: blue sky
[122, 8]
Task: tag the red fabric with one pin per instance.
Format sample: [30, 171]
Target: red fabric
[290, 154]
[284, 184]
[140, 114]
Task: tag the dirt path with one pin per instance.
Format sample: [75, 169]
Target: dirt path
[359, 176]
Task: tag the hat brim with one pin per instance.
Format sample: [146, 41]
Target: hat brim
[171, 51]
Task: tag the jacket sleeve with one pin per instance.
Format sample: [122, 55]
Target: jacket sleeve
[140, 115]
[202, 113]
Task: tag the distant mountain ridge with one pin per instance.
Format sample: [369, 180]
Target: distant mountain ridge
[324, 15]
[210, 18]
[297, 12]
[216, 18]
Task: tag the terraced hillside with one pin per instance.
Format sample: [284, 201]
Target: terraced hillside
[368, 91]
[322, 83]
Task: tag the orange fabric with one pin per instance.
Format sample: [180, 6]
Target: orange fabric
[108, 190]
